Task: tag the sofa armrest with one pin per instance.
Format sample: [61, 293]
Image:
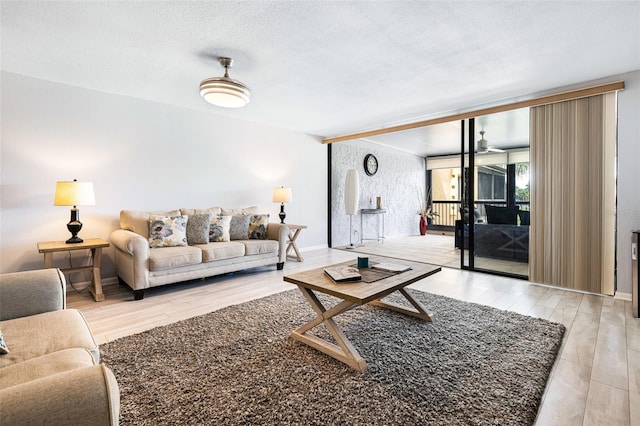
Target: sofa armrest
[31, 292]
[131, 243]
[131, 258]
[87, 395]
[280, 233]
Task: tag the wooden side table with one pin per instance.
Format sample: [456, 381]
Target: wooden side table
[294, 231]
[94, 244]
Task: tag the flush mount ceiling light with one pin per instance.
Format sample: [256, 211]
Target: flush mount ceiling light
[224, 91]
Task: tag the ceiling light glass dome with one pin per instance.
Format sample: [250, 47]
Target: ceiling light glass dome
[224, 91]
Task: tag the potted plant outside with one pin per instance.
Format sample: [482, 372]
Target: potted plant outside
[426, 213]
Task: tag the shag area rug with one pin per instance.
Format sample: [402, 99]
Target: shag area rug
[474, 365]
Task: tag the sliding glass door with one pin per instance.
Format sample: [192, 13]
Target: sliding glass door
[494, 215]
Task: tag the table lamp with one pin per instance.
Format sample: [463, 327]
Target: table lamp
[74, 194]
[282, 195]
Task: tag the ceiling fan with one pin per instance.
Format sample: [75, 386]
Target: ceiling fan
[483, 145]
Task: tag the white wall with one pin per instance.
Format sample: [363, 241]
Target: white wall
[628, 211]
[139, 155]
[399, 178]
[144, 155]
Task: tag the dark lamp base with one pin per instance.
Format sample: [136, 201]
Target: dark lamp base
[74, 226]
[74, 240]
[282, 214]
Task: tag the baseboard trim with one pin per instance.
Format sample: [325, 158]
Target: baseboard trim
[622, 296]
[305, 249]
[83, 285]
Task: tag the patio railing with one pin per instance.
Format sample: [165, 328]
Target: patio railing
[449, 211]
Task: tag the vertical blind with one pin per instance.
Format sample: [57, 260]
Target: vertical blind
[572, 234]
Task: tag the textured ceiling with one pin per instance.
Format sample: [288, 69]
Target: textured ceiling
[324, 68]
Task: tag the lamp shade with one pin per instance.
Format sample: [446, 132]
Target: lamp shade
[282, 195]
[351, 192]
[74, 193]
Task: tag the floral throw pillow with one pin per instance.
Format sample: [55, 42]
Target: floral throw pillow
[219, 229]
[167, 231]
[258, 226]
[198, 229]
[239, 229]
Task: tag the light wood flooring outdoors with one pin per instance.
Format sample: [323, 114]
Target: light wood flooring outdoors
[595, 381]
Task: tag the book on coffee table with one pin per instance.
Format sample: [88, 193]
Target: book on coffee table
[343, 273]
[391, 267]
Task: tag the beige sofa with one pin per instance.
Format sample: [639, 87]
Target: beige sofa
[51, 373]
[142, 260]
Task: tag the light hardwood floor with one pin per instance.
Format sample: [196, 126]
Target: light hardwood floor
[595, 381]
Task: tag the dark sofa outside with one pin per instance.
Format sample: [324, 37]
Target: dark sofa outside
[501, 237]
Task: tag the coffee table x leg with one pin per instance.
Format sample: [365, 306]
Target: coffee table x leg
[344, 351]
[420, 311]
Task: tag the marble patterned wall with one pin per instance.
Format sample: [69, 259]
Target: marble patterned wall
[400, 181]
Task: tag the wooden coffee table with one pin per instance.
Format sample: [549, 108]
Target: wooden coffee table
[354, 294]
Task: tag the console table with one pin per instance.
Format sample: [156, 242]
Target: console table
[94, 244]
[380, 214]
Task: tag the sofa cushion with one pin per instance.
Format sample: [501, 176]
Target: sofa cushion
[174, 257]
[42, 334]
[198, 229]
[239, 229]
[213, 211]
[135, 221]
[167, 231]
[501, 215]
[260, 246]
[219, 228]
[258, 226]
[245, 211]
[44, 366]
[221, 250]
[138, 221]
